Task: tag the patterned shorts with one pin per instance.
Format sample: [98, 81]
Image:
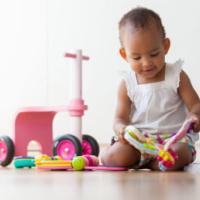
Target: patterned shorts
[146, 158]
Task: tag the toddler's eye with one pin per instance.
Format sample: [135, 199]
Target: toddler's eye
[136, 58]
[154, 54]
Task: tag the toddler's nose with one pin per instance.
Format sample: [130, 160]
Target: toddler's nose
[147, 62]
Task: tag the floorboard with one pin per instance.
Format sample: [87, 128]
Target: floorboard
[33, 184]
[36, 184]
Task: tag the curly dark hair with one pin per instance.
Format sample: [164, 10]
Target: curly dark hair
[141, 17]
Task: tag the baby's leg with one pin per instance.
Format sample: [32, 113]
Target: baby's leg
[120, 154]
[185, 157]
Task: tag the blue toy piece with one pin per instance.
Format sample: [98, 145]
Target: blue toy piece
[24, 161]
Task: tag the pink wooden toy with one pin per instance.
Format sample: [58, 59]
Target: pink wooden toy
[36, 123]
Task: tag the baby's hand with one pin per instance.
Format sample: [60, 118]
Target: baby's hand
[121, 136]
[196, 121]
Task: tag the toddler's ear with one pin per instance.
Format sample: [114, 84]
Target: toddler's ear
[166, 45]
[122, 53]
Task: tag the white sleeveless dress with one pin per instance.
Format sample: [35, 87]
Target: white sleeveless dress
[157, 108]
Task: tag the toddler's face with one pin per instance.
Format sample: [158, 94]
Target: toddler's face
[145, 50]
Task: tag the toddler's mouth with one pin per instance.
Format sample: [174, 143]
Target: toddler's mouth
[149, 71]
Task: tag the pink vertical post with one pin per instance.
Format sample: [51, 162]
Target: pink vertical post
[76, 106]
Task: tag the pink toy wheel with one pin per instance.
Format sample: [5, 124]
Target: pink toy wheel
[6, 150]
[67, 146]
[90, 146]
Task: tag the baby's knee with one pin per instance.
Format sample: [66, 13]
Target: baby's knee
[185, 153]
[108, 158]
[123, 158]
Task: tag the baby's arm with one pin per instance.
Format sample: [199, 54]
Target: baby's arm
[123, 110]
[190, 98]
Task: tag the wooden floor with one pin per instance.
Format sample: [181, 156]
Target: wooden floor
[33, 184]
[19, 184]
